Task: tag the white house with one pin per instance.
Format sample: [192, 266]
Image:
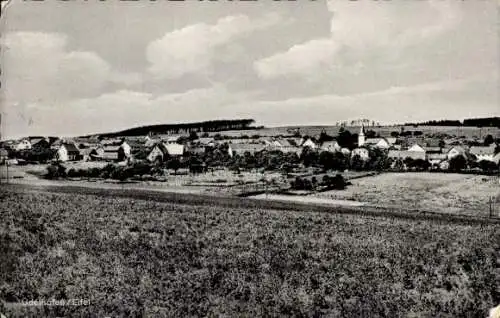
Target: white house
[483, 153]
[68, 152]
[158, 151]
[23, 144]
[126, 148]
[363, 153]
[331, 146]
[380, 143]
[345, 151]
[175, 150]
[456, 151]
[161, 150]
[309, 143]
[416, 147]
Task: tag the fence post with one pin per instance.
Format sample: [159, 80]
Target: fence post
[491, 206]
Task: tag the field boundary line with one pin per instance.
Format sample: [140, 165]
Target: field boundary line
[239, 202]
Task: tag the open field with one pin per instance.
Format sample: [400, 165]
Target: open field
[468, 132]
[134, 257]
[30, 171]
[439, 192]
[217, 181]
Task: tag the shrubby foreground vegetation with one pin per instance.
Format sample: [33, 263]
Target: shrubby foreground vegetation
[133, 257]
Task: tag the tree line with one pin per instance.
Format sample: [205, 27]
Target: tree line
[470, 122]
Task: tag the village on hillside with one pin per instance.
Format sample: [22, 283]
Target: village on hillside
[304, 162]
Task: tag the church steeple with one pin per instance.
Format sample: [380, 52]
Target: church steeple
[361, 136]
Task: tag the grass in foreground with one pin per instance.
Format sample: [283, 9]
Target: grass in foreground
[132, 257]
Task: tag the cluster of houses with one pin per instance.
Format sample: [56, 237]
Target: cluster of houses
[434, 150]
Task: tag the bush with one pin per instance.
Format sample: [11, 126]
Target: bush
[487, 166]
[72, 173]
[119, 173]
[93, 172]
[55, 171]
[334, 183]
[458, 163]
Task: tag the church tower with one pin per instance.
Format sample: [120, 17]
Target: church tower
[361, 136]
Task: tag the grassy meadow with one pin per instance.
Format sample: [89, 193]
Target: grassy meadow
[134, 257]
[439, 192]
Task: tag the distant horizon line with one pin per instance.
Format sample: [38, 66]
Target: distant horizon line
[256, 126]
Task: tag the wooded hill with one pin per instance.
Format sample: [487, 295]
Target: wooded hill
[205, 126]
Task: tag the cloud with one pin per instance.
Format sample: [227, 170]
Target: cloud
[121, 109]
[192, 48]
[361, 29]
[298, 59]
[39, 67]
[396, 104]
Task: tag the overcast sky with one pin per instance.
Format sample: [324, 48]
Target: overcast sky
[77, 67]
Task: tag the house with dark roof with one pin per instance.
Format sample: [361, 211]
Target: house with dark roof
[381, 143]
[113, 153]
[68, 152]
[162, 150]
[158, 152]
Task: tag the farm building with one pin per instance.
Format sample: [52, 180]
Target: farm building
[161, 150]
[113, 153]
[68, 152]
